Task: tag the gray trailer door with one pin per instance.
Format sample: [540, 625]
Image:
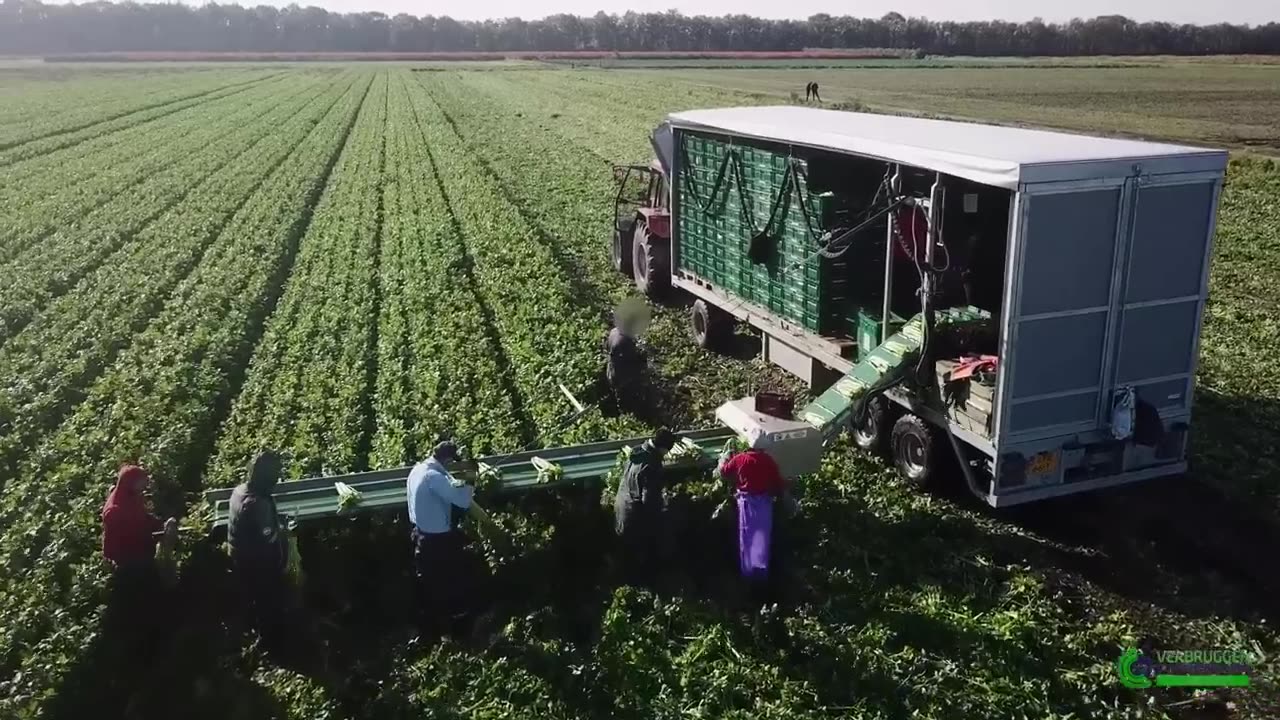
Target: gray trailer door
[1165, 283]
[1109, 287]
[1061, 308]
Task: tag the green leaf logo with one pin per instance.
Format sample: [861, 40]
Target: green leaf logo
[1125, 669]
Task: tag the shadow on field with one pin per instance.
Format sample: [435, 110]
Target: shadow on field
[170, 653]
[952, 588]
[1204, 544]
[835, 568]
[862, 586]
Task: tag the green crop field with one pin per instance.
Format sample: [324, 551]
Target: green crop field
[344, 261]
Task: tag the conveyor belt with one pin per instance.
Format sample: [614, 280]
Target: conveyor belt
[316, 498]
[833, 410]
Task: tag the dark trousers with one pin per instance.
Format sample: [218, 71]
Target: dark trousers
[265, 593]
[624, 383]
[645, 544]
[639, 559]
[135, 618]
[446, 582]
[630, 391]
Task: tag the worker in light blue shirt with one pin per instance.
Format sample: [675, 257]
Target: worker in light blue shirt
[441, 562]
[433, 492]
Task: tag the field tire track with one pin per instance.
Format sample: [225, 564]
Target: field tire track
[104, 252]
[566, 262]
[201, 454]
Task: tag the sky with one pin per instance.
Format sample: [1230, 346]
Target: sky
[1202, 12]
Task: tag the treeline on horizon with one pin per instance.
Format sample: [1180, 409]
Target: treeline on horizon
[28, 27]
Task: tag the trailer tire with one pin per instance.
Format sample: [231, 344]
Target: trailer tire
[650, 265]
[873, 434]
[711, 325]
[620, 251]
[914, 447]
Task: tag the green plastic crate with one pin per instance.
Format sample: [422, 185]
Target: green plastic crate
[798, 286]
[868, 323]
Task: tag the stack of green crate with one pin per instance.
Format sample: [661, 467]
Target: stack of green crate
[797, 285]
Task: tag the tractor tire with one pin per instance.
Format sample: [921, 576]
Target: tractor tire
[620, 251]
[913, 444]
[711, 325]
[872, 434]
[650, 263]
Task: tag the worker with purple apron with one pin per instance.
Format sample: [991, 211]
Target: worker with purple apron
[757, 483]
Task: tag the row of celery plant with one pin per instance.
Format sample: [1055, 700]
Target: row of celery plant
[51, 363]
[61, 190]
[78, 245]
[305, 388]
[158, 404]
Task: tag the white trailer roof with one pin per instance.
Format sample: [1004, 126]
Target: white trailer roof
[988, 154]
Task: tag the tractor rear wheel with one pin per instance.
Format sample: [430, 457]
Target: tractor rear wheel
[711, 325]
[620, 251]
[914, 451]
[650, 265]
[872, 433]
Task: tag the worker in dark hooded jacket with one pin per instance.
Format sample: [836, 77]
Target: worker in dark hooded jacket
[259, 544]
[639, 507]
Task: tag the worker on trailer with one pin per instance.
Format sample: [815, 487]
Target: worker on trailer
[259, 545]
[639, 506]
[758, 483]
[129, 538]
[440, 560]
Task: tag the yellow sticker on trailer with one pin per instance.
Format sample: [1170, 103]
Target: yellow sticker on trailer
[1043, 464]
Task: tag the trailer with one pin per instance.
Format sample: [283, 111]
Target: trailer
[1029, 302]
[1031, 299]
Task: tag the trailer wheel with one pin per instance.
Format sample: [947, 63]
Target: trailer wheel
[873, 432]
[620, 251]
[711, 325]
[914, 450]
[649, 262]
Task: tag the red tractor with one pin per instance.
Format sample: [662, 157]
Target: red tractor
[642, 227]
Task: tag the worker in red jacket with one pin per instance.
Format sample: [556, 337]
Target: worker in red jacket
[136, 611]
[129, 530]
[757, 483]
